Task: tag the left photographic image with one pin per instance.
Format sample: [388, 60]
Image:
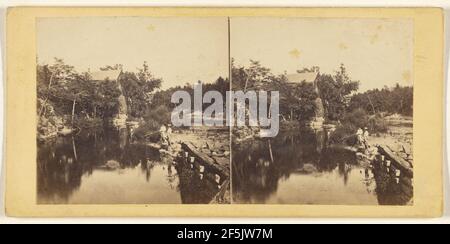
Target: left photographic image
[105, 104]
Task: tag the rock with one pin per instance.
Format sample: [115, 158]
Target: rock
[163, 151]
[112, 164]
[308, 169]
[403, 155]
[177, 147]
[154, 145]
[65, 131]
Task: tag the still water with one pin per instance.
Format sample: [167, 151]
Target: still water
[104, 167]
[300, 168]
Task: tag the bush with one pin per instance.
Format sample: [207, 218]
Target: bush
[343, 134]
[154, 119]
[354, 120]
[377, 124]
[87, 124]
[159, 115]
[148, 131]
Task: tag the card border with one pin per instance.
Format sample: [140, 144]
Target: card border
[20, 139]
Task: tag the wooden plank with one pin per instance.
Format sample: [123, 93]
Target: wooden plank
[206, 160]
[399, 162]
[344, 147]
[224, 188]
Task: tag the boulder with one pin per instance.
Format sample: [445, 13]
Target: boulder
[112, 164]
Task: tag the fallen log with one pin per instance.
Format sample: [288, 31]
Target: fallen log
[154, 145]
[206, 160]
[344, 147]
[397, 161]
[218, 198]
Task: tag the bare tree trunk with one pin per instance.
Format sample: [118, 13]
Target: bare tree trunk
[246, 84]
[74, 149]
[73, 111]
[371, 104]
[271, 152]
[401, 105]
[44, 105]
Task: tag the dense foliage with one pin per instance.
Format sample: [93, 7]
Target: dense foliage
[65, 93]
[334, 91]
[341, 101]
[391, 100]
[74, 97]
[297, 101]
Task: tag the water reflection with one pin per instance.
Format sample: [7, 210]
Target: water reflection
[103, 167]
[300, 168]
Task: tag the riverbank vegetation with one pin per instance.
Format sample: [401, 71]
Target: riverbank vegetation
[67, 98]
[70, 98]
[343, 103]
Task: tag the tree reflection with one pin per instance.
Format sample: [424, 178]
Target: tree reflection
[62, 164]
[256, 177]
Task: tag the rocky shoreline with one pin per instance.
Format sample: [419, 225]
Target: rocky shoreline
[210, 146]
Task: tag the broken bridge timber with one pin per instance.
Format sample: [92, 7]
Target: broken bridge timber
[214, 165]
[397, 161]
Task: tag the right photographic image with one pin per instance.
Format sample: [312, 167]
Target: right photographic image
[345, 98]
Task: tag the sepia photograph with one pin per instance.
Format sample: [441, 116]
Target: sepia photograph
[224, 113]
[104, 104]
[345, 111]
[135, 110]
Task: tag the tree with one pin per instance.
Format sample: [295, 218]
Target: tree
[312, 69]
[106, 103]
[296, 101]
[391, 100]
[49, 77]
[138, 89]
[253, 77]
[334, 92]
[74, 95]
[112, 67]
[147, 80]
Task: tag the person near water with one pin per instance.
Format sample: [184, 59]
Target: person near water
[169, 133]
[163, 133]
[366, 133]
[169, 130]
[131, 133]
[366, 137]
[359, 136]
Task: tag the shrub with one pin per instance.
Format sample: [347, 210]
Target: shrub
[344, 134]
[154, 119]
[356, 119]
[159, 115]
[377, 124]
[148, 131]
[87, 124]
[352, 121]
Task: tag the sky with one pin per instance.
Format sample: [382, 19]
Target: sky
[179, 50]
[377, 52]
